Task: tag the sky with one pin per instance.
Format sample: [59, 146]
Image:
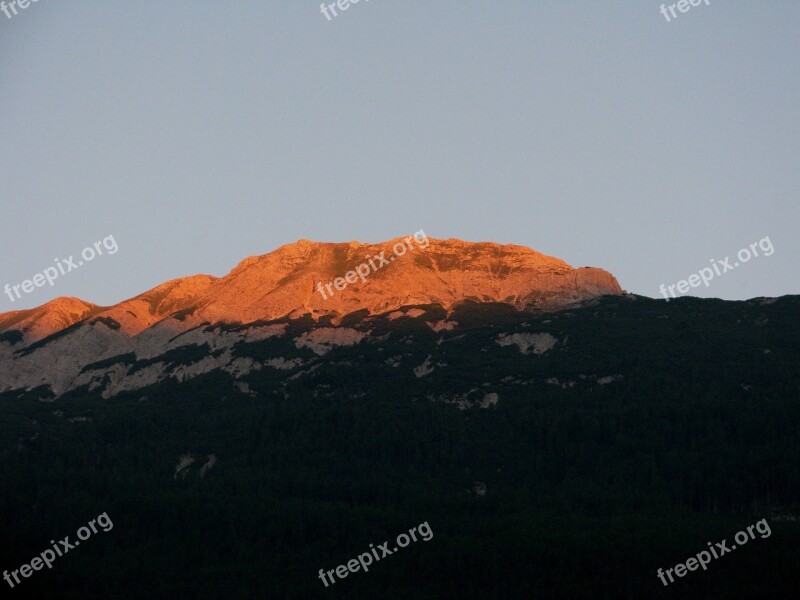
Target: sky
[200, 133]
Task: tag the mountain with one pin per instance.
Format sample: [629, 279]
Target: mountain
[67, 343]
[286, 282]
[559, 437]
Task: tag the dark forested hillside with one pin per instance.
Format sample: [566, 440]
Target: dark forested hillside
[558, 455]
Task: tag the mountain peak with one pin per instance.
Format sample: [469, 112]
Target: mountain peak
[48, 318]
[324, 278]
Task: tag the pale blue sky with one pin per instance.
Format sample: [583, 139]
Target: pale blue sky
[199, 133]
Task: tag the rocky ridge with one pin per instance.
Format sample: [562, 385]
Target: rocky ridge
[68, 343]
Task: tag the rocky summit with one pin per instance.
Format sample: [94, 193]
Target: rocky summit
[52, 347]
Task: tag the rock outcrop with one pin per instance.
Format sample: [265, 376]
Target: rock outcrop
[52, 345]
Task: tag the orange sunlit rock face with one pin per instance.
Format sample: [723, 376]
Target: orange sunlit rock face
[49, 318]
[300, 278]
